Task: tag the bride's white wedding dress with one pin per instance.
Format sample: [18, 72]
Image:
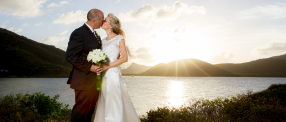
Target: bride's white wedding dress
[114, 103]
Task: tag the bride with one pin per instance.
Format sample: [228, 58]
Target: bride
[114, 103]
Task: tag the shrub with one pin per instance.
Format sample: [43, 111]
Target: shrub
[34, 107]
[267, 105]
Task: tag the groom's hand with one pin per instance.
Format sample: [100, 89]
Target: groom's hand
[96, 69]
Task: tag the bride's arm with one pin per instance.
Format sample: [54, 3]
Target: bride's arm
[122, 59]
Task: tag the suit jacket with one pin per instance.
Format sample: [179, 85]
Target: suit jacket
[82, 40]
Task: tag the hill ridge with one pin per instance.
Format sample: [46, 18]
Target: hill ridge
[27, 58]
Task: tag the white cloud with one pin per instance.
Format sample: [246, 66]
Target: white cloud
[143, 54]
[64, 32]
[23, 8]
[272, 48]
[38, 24]
[223, 58]
[276, 11]
[25, 25]
[70, 17]
[148, 14]
[52, 5]
[54, 40]
[117, 1]
[18, 30]
[11, 28]
[3, 26]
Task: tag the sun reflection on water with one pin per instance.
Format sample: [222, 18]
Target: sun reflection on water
[175, 93]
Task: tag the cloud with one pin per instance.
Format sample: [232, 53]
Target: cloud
[148, 14]
[143, 54]
[38, 24]
[271, 48]
[4, 24]
[142, 50]
[117, 1]
[64, 32]
[18, 30]
[276, 11]
[54, 40]
[53, 5]
[223, 58]
[25, 25]
[23, 8]
[70, 17]
[11, 28]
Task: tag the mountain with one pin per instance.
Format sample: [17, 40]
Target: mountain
[135, 69]
[186, 67]
[268, 67]
[23, 57]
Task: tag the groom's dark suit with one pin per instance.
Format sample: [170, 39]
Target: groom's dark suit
[81, 79]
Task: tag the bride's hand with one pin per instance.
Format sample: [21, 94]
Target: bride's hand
[104, 67]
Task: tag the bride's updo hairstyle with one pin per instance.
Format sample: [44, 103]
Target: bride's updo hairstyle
[116, 25]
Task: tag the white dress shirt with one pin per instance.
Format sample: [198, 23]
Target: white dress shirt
[91, 30]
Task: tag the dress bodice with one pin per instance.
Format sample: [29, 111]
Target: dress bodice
[111, 49]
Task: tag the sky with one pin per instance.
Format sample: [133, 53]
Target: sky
[161, 31]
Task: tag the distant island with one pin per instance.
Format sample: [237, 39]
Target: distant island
[268, 67]
[23, 57]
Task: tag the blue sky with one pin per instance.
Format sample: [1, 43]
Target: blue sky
[215, 31]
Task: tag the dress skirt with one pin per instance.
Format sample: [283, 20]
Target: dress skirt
[114, 103]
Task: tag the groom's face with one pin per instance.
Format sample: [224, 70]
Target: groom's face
[98, 23]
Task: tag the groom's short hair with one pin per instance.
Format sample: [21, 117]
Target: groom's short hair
[93, 14]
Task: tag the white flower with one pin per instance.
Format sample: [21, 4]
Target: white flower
[89, 57]
[96, 56]
[100, 54]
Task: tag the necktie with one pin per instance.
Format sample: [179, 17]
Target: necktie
[96, 36]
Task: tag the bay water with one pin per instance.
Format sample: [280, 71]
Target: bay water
[148, 92]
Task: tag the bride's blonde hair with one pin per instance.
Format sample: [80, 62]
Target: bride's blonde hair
[116, 25]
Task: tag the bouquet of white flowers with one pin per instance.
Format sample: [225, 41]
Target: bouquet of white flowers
[98, 57]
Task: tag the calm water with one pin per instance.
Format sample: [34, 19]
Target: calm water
[148, 92]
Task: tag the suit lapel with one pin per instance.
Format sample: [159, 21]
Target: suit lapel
[91, 34]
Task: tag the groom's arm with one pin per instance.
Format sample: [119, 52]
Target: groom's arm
[74, 53]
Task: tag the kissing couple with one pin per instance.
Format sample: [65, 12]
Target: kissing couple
[111, 103]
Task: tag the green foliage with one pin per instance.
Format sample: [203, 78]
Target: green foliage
[34, 107]
[27, 58]
[267, 105]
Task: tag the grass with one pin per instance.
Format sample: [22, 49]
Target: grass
[266, 106]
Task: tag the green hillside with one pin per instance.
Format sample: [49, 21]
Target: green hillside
[268, 67]
[23, 57]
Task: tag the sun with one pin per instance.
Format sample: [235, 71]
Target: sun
[182, 46]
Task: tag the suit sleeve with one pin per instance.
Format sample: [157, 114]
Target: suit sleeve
[75, 54]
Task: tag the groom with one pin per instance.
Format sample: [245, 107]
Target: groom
[83, 75]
